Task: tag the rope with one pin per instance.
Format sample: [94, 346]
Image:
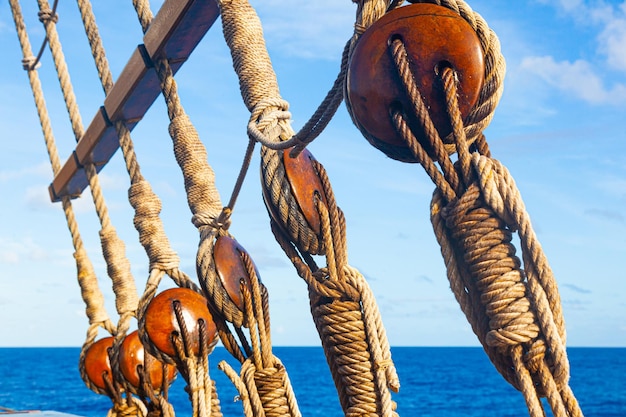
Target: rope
[113, 250]
[515, 311]
[269, 119]
[269, 124]
[146, 204]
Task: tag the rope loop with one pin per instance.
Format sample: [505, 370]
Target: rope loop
[265, 117]
[207, 222]
[47, 15]
[30, 63]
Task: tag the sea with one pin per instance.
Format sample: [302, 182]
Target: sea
[435, 381]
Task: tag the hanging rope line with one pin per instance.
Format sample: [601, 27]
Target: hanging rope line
[263, 383]
[362, 391]
[147, 206]
[113, 248]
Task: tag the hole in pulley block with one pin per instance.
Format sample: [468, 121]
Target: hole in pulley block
[442, 65]
[394, 37]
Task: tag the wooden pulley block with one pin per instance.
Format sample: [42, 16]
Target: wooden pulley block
[435, 37]
[161, 324]
[231, 269]
[306, 185]
[133, 354]
[97, 363]
[306, 188]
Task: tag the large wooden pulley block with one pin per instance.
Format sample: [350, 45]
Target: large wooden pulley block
[231, 269]
[434, 37]
[97, 363]
[133, 354]
[161, 323]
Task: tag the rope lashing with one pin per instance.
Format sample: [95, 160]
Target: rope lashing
[342, 304]
[515, 311]
[263, 382]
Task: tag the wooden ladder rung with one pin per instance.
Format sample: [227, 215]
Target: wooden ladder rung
[174, 32]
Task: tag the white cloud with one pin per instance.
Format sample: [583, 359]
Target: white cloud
[577, 78]
[587, 79]
[14, 251]
[612, 22]
[37, 198]
[315, 29]
[612, 39]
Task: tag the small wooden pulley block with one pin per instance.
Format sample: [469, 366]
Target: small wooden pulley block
[97, 363]
[230, 268]
[434, 37]
[161, 323]
[133, 354]
[305, 187]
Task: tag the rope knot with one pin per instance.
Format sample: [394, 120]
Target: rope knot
[221, 223]
[30, 63]
[265, 118]
[48, 15]
[535, 356]
[165, 261]
[383, 365]
[498, 189]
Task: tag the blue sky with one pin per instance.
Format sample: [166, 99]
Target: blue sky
[559, 129]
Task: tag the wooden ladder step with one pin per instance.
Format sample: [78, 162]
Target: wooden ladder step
[174, 32]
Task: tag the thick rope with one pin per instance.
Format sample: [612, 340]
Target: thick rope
[113, 250]
[147, 206]
[87, 280]
[476, 207]
[269, 123]
[345, 314]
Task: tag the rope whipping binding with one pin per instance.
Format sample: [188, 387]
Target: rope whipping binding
[513, 306]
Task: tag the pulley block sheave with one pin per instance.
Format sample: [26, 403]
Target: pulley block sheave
[434, 37]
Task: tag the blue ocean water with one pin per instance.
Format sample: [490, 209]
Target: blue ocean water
[435, 382]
